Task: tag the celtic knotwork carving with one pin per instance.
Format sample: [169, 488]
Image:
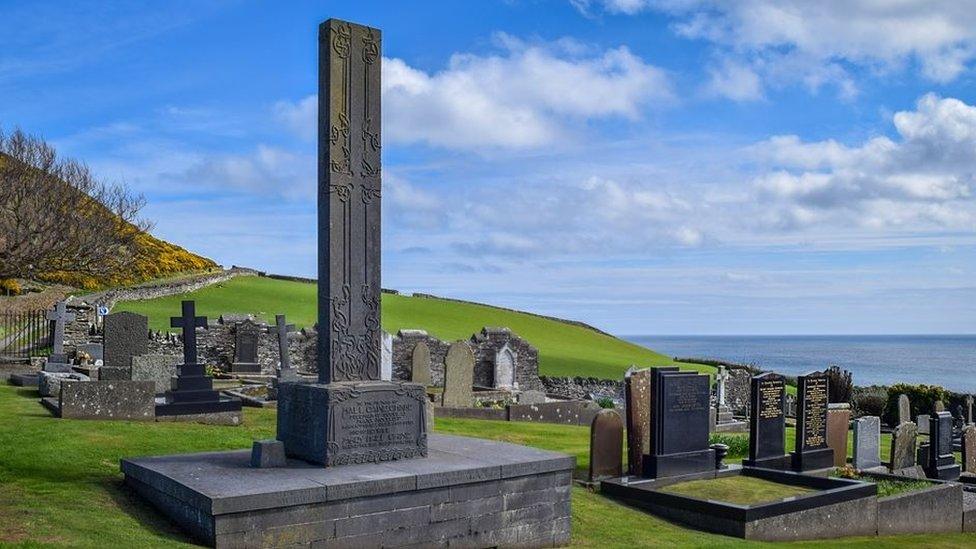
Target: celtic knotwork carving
[343, 345]
[342, 40]
[337, 133]
[369, 194]
[342, 190]
[371, 48]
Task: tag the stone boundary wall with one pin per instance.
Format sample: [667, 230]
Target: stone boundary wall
[579, 388]
[165, 288]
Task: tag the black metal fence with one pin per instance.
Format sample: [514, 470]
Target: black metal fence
[23, 335]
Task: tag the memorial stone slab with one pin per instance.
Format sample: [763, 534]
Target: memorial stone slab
[923, 424]
[420, 364]
[637, 395]
[531, 397]
[767, 423]
[867, 442]
[159, 369]
[505, 362]
[969, 448]
[93, 350]
[49, 383]
[903, 445]
[679, 424]
[969, 409]
[117, 400]
[812, 451]
[458, 376]
[606, 445]
[838, 426]
[125, 335]
[285, 371]
[904, 409]
[941, 461]
[939, 406]
[246, 335]
[59, 317]
[386, 360]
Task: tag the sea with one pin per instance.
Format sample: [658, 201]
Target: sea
[946, 360]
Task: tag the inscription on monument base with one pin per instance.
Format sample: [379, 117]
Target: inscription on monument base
[363, 422]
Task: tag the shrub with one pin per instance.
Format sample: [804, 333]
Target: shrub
[738, 443]
[9, 286]
[841, 385]
[870, 404]
[921, 397]
[606, 402]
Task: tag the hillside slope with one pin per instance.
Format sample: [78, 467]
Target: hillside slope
[564, 349]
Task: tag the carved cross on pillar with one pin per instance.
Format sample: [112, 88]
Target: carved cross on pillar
[284, 329]
[60, 316]
[720, 378]
[189, 322]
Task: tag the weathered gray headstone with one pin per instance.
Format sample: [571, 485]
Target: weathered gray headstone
[351, 415]
[969, 448]
[93, 350]
[867, 442]
[531, 397]
[420, 364]
[284, 357]
[939, 406]
[126, 336]
[923, 424]
[505, 362]
[903, 441]
[49, 383]
[637, 395]
[159, 369]
[59, 316]
[969, 409]
[904, 409]
[246, 336]
[129, 400]
[386, 360]
[606, 445]
[458, 375]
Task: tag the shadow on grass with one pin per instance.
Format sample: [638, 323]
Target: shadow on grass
[131, 504]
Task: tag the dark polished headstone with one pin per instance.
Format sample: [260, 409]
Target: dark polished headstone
[767, 423]
[812, 451]
[192, 389]
[941, 463]
[679, 424]
[125, 335]
[246, 336]
[59, 317]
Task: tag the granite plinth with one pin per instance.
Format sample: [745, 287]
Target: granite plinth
[352, 422]
[24, 380]
[469, 492]
[132, 400]
[245, 368]
[812, 460]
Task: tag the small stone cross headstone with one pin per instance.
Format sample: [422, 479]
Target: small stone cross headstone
[606, 445]
[720, 379]
[284, 357]
[420, 364]
[60, 317]
[969, 448]
[189, 322]
[969, 409]
[867, 442]
[904, 409]
[458, 376]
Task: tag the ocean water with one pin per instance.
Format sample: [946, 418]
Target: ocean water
[946, 360]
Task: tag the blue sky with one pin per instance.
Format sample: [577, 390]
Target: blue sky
[648, 166]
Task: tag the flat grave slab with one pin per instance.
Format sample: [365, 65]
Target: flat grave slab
[24, 379]
[814, 507]
[476, 492]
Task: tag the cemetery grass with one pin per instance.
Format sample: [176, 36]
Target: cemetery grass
[736, 489]
[60, 483]
[564, 349]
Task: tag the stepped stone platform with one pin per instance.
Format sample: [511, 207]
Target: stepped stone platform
[467, 492]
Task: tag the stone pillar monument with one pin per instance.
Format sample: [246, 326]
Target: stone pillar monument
[350, 415]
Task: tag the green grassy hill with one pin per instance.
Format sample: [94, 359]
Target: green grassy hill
[564, 349]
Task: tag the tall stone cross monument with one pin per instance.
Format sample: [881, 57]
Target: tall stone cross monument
[350, 415]
[60, 316]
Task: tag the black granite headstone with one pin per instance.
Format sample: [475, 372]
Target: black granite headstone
[679, 424]
[351, 415]
[940, 462]
[767, 423]
[246, 336]
[193, 391]
[811, 450]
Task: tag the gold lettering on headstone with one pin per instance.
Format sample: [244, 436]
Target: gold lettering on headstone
[770, 399]
[815, 412]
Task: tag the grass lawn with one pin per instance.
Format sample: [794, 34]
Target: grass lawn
[564, 349]
[736, 489]
[60, 483]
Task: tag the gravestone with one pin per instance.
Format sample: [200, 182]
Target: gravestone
[282, 329]
[767, 423]
[606, 445]
[969, 409]
[246, 336]
[904, 409]
[637, 395]
[838, 426]
[125, 335]
[505, 368]
[812, 451]
[160, 369]
[531, 397]
[867, 442]
[59, 317]
[458, 376]
[969, 448]
[351, 415]
[903, 445]
[923, 424]
[191, 391]
[386, 360]
[420, 364]
[940, 463]
[939, 406]
[93, 350]
[679, 424]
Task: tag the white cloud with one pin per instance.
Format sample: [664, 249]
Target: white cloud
[807, 42]
[735, 81]
[924, 179]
